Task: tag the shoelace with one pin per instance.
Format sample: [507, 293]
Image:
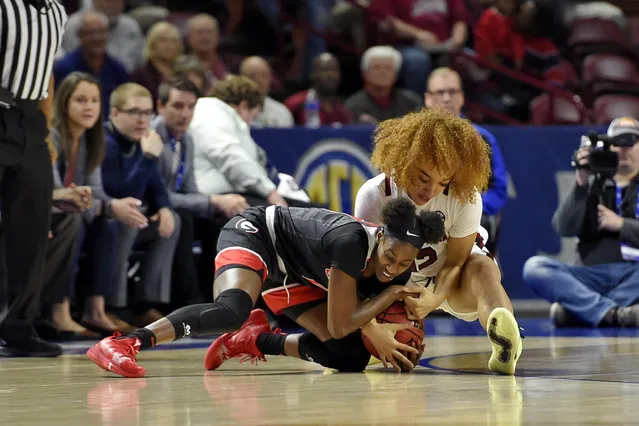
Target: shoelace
[129, 351]
[253, 359]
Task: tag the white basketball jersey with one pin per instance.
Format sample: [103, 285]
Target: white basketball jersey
[462, 220]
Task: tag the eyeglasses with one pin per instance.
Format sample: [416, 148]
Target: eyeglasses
[449, 92]
[138, 113]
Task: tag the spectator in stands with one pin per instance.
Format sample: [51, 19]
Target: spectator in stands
[350, 20]
[163, 46]
[325, 79]
[202, 39]
[92, 57]
[445, 91]
[379, 100]
[604, 290]
[274, 113]
[176, 103]
[550, 18]
[125, 40]
[130, 170]
[417, 27]
[227, 159]
[192, 68]
[78, 136]
[498, 39]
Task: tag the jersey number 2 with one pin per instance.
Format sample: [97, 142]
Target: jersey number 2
[426, 257]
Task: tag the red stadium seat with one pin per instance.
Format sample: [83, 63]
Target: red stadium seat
[633, 24]
[559, 111]
[595, 36]
[609, 74]
[571, 76]
[609, 107]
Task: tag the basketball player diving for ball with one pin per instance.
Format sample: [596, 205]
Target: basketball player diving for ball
[440, 162]
[317, 257]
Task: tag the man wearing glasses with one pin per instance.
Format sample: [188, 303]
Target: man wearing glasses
[130, 170]
[444, 90]
[92, 57]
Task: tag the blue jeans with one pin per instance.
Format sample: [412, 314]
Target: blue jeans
[416, 67]
[588, 292]
[97, 240]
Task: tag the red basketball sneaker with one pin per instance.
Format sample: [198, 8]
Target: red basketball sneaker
[117, 355]
[238, 343]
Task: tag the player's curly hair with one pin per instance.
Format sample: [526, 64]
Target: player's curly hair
[436, 140]
[400, 213]
[234, 89]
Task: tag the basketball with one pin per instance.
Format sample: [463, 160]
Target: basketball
[396, 313]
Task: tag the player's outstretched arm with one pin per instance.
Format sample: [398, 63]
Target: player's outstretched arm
[345, 313]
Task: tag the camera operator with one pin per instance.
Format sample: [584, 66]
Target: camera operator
[603, 211]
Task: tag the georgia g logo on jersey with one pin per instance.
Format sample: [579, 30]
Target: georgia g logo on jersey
[246, 226]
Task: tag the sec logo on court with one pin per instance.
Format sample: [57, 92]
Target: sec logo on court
[332, 171]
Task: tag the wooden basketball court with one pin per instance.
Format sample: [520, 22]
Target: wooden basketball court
[572, 377]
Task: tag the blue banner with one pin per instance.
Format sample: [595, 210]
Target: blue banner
[332, 163]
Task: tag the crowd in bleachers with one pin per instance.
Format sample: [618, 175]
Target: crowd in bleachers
[129, 204]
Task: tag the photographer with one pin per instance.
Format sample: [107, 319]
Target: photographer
[602, 210]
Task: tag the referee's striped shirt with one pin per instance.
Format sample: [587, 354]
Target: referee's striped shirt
[29, 39]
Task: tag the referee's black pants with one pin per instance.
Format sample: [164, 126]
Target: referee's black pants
[26, 185]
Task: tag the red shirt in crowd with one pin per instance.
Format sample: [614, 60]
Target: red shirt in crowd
[495, 35]
[436, 16]
[335, 114]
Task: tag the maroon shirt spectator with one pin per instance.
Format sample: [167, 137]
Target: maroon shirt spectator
[325, 78]
[202, 38]
[329, 113]
[163, 46]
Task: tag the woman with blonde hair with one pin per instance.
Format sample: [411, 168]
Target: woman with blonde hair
[163, 46]
[441, 163]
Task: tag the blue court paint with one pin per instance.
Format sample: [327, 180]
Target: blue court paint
[533, 327]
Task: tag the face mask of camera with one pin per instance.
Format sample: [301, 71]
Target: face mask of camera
[602, 160]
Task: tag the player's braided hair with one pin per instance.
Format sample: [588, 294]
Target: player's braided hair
[400, 215]
[435, 140]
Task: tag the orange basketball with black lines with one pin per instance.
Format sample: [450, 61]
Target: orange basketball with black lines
[396, 314]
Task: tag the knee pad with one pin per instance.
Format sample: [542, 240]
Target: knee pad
[229, 311]
[351, 351]
[236, 305]
[347, 355]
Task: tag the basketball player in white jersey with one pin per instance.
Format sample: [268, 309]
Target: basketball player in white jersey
[440, 162]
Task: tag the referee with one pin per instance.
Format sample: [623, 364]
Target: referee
[30, 34]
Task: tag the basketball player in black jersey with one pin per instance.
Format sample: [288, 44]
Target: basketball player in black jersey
[317, 256]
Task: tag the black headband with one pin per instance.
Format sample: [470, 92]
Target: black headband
[410, 234]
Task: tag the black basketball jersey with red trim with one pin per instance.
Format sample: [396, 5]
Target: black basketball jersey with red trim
[312, 240]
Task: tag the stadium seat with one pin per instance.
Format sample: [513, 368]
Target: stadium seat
[559, 111]
[605, 73]
[148, 15]
[609, 107]
[571, 76]
[595, 36]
